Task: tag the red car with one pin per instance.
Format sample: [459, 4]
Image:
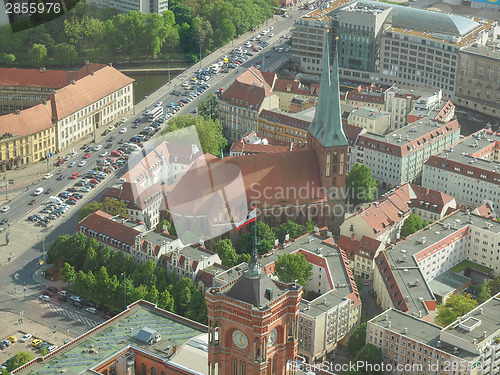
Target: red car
[94, 181]
[74, 175]
[32, 202]
[111, 160]
[116, 153]
[87, 155]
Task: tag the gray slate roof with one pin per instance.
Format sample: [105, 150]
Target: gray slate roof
[253, 290]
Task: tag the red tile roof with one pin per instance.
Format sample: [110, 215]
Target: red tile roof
[295, 87]
[101, 222]
[485, 211]
[28, 121]
[272, 145]
[44, 78]
[249, 90]
[432, 200]
[88, 90]
[352, 246]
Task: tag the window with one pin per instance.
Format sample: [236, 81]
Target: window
[153, 370]
[144, 371]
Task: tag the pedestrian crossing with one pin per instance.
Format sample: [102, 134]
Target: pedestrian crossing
[72, 315]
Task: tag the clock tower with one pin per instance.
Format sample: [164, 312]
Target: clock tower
[252, 324]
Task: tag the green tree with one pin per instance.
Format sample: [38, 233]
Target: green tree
[88, 209]
[44, 351]
[360, 184]
[291, 228]
[102, 281]
[494, 285]
[18, 360]
[68, 273]
[38, 54]
[370, 354]
[166, 301]
[8, 58]
[114, 207]
[290, 267]
[485, 293]
[455, 306]
[357, 340]
[65, 53]
[209, 132]
[170, 227]
[265, 236]
[208, 107]
[226, 252]
[412, 224]
[225, 33]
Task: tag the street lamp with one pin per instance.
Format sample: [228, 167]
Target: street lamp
[124, 288]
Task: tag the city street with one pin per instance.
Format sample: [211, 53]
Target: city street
[21, 281]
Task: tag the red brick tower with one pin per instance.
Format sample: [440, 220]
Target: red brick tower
[252, 324]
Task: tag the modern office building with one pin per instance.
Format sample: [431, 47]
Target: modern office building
[125, 6]
[385, 43]
[469, 170]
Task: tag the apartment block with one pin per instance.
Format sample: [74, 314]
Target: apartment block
[373, 120]
[470, 345]
[468, 170]
[240, 105]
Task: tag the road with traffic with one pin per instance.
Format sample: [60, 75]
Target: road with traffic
[21, 282]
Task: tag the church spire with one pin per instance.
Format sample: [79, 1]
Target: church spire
[326, 125]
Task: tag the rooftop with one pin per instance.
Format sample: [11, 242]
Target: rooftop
[369, 113]
[416, 329]
[486, 51]
[117, 334]
[447, 283]
[324, 14]
[466, 157]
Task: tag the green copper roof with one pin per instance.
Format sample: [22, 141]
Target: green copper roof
[326, 125]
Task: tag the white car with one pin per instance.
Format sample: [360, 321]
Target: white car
[82, 163]
[5, 208]
[123, 130]
[63, 293]
[102, 154]
[26, 337]
[72, 164]
[47, 176]
[124, 119]
[159, 104]
[97, 148]
[52, 348]
[74, 153]
[85, 189]
[44, 297]
[271, 35]
[92, 310]
[76, 298]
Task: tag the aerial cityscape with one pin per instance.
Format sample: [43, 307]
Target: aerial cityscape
[243, 187]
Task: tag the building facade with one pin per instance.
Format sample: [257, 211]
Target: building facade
[144, 6]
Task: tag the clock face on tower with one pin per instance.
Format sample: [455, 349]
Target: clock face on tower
[240, 339]
[272, 337]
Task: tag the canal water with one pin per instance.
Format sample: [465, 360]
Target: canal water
[469, 121]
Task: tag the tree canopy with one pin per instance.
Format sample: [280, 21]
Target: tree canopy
[485, 293]
[18, 360]
[412, 224]
[360, 184]
[455, 306]
[265, 237]
[357, 340]
[110, 205]
[208, 107]
[209, 132]
[291, 267]
[369, 354]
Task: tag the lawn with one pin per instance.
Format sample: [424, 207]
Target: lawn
[469, 264]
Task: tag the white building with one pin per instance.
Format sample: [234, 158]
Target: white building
[469, 170]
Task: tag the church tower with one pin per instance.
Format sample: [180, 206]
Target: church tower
[252, 324]
[326, 135]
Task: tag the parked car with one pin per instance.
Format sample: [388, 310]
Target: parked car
[44, 297]
[36, 342]
[26, 337]
[76, 298]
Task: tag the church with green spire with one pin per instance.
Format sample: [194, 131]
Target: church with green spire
[326, 135]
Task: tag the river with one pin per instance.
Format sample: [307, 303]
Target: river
[147, 83]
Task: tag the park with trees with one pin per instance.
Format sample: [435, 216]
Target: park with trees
[87, 33]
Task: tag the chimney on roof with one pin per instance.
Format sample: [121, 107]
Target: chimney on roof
[73, 82]
[110, 64]
[45, 101]
[353, 237]
[42, 69]
[86, 63]
[18, 112]
[92, 73]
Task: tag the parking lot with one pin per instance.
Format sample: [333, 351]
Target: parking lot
[19, 346]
